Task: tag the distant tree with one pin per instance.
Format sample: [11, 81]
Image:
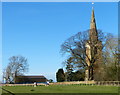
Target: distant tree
[60, 76]
[112, 60]
[109, 69]
[7, 74]
[16, 67]
[76, 75]
[50, 80]
[70, 76]
[79, 75]
[69, 69]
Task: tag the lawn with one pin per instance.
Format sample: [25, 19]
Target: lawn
[61, 89]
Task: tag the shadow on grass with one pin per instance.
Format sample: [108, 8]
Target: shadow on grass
[8, 92]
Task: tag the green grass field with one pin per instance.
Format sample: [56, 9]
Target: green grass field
[61, 89]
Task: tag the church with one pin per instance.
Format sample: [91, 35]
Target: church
[93, 49]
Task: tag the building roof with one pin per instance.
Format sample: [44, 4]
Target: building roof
[31, 76]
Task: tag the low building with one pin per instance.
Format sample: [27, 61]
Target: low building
[30, 79]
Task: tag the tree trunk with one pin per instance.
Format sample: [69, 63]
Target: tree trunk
[91, 77]
[89, 74]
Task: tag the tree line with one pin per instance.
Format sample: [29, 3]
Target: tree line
[75, 63]
[75, 50]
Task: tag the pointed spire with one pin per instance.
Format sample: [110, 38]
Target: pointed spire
[93, 23]
[93, 29]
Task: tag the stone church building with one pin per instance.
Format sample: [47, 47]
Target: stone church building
[93, 49]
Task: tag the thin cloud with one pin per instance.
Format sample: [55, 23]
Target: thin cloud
[60, 0]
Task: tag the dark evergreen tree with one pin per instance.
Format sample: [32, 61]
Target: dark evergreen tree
[69, 69]
[70, 76]
[60, 76]
[79, 75]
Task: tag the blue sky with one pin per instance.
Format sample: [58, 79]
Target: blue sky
[36, 30]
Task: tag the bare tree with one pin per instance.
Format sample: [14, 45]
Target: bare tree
[111, 66]
[16, 67]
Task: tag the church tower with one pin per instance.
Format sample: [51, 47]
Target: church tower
[93, 49]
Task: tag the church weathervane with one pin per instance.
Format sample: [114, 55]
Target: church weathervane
[92, 4]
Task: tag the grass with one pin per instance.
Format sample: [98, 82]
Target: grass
[61, 89]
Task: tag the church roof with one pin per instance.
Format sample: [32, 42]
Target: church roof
[31, 76]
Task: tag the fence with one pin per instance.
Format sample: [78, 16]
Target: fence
[113, 83]
[73, 82]
[32, 84]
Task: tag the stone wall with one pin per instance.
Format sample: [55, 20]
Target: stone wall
[112, 83]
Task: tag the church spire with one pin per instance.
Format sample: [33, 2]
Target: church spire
[93, 23]
[93, 28]
[93, 49]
